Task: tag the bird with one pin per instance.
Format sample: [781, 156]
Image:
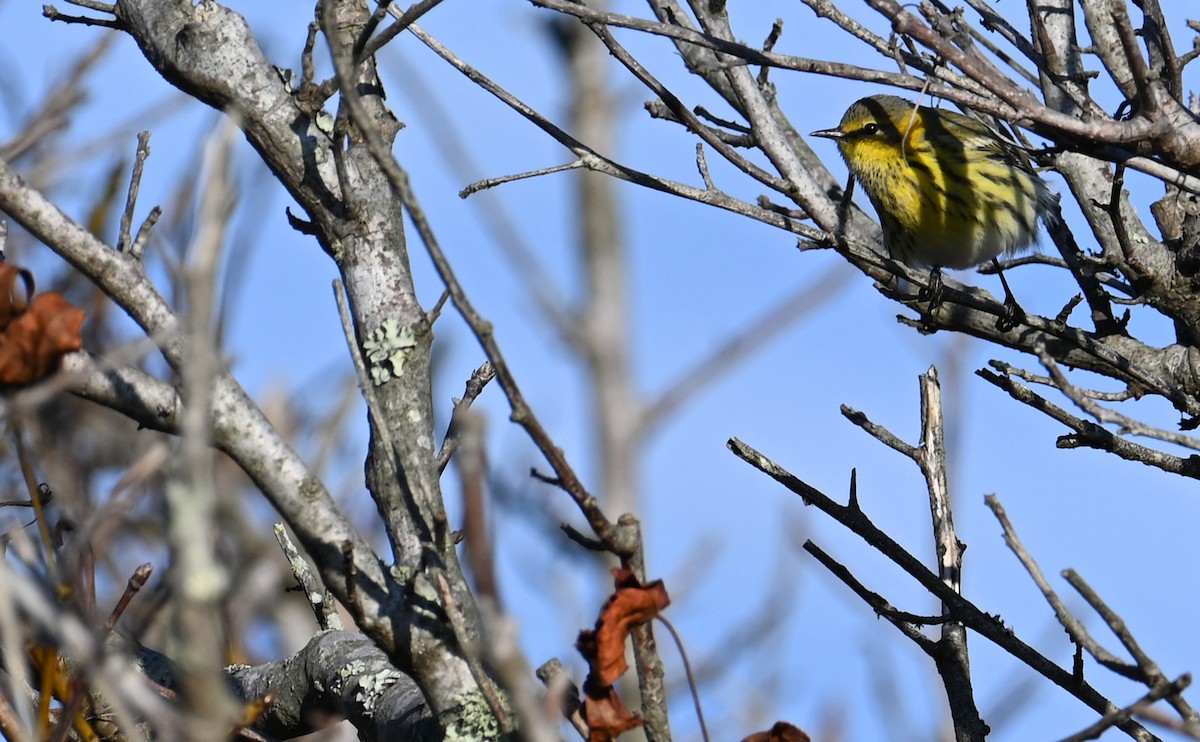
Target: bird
[950, 191]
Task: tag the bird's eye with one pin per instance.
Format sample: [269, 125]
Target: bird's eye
[870, 129]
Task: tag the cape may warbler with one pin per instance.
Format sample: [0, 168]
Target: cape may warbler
[950, 192]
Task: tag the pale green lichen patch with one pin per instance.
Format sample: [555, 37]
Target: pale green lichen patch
[387, 349]
[371, 685]
[349, 671]
[476, 721]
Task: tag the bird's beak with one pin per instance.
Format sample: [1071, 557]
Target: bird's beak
[828, 133]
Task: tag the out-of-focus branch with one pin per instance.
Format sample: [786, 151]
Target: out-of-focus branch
[122, 684]
[240, 429]
[477, 537]
[200, 581]
[455, 148]
[602, 328]
[53, 114]
[757, 334]
[536, 714]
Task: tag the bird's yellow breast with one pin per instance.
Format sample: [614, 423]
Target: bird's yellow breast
[954, 204]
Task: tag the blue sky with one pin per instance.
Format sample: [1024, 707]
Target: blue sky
[720, 533]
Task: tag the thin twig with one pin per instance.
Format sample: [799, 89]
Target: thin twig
[878, 603]
[880, 433]
[53, 14]
[1086, 402]
[136, 582]
[143, 234]
[1153, 676]
[369, 27]
[319, 600]
[1112, 718]
[479, 379]
[486, 183]
[702, 166]
[1074, 627]
[402, 22]
[94, 5]
[988, 626]
[562, 694]
[31, 484]
[135, 184]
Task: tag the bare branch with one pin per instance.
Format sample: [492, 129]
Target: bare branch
[1075, 628]
[318, 599]
[479, 379]
[961, 609]
[1090, 435]
[402, 22]
[124, 240]
[1151, 674]
[1113, 718]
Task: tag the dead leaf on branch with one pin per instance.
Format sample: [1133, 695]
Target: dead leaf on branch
[14, 299]
[34, 335]
[604, 649]
[781, 732]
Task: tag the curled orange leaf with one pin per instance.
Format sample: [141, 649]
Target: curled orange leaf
[36, 338]
[604, 649]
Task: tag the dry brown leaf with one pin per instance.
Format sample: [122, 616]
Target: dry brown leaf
[781, 732]
[34, 341]
[631, 604]
[607, 718]
[604, 649]
[13, 299]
